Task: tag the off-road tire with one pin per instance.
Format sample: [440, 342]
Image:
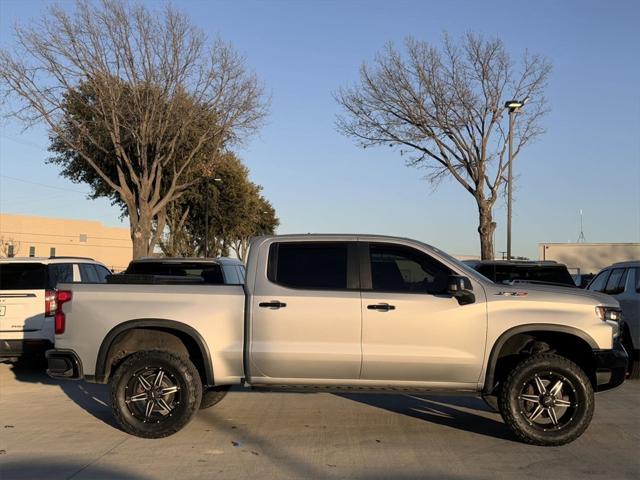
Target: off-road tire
[633, 370]
[179, 368]
[212, 396]
[578, 385]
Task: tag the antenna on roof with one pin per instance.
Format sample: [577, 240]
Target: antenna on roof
[581, 238]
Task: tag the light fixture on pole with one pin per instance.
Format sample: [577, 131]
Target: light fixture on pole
[514, 106]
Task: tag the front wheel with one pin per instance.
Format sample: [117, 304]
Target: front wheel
[547, 400]
[155, 393]
[212, 396]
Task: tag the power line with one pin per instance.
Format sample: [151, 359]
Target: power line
[86, 245]
[43, 185]
[69, 236]
[23, 141]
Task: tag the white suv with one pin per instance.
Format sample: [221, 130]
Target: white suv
[27, 298]
[622, 281]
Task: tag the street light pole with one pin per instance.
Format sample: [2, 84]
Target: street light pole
[514, 107]
[510, 183]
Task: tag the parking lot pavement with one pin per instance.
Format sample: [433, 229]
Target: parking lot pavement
[57, 430]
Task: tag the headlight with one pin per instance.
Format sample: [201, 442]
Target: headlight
[609, 314]
[612, 316]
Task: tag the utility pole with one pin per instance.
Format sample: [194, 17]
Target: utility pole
[514, 107]
[206, 215]
[206, 223]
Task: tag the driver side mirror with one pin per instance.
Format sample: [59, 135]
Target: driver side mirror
[461, 289]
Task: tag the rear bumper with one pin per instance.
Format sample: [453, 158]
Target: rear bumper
[17, 348]
[64, 364]
[611, 367]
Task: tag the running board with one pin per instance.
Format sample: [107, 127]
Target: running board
[351, 389]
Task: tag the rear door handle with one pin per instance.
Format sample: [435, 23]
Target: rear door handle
[272, 304]
[381, 307]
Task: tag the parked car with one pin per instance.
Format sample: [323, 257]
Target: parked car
[344, 312]
[519, 271]
[166, 270]
[27, 298]
[622, 281]
[582, 280]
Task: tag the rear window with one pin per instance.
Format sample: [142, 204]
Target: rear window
[309, 265]
[535, 273]
[23, 276]
[210, 273]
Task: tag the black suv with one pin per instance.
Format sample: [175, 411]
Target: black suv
[523, 271]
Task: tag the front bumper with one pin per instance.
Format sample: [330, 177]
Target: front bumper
[63, 364]
[611, 367]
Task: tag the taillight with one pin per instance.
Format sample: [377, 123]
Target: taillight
[62, 297]
[49, 303]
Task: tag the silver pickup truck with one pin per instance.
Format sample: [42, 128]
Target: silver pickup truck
[335, 312]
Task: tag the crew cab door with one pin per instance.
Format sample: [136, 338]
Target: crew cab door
[412, 330]
[306, 313]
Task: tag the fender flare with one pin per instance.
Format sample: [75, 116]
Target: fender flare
[107, 342]
[528, 328]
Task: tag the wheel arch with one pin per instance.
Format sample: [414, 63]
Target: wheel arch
[517, 338]
[171, 327]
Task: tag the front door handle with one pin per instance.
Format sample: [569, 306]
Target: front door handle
[381, 307]
[272, 304]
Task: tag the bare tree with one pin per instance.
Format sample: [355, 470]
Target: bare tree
[444, 108]
[138, 73]
[9, 247]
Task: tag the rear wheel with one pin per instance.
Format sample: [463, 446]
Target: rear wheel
[547, 400]
[155, 393]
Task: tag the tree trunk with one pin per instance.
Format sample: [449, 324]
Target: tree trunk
[485, 229]
[141, 234]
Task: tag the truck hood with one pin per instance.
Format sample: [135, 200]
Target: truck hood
[551, 293]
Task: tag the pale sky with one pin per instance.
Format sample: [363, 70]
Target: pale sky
[319, 181]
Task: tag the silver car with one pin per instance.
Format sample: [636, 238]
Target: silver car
[622, 281]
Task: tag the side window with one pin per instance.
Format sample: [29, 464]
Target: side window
[320, 265]
[623, 280]
[403, 269]
[102, 273]
[88, 273]
[60, 273]
[241, 274]
[637, 279]
[613, 283]
[598, 283]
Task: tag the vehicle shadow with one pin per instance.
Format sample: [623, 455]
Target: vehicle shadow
[301, 465]
[449, 411]
[54, 469]
[93, 398]
[464, 413]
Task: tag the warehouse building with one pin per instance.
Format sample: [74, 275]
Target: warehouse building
[585, 258]
[33, 236]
